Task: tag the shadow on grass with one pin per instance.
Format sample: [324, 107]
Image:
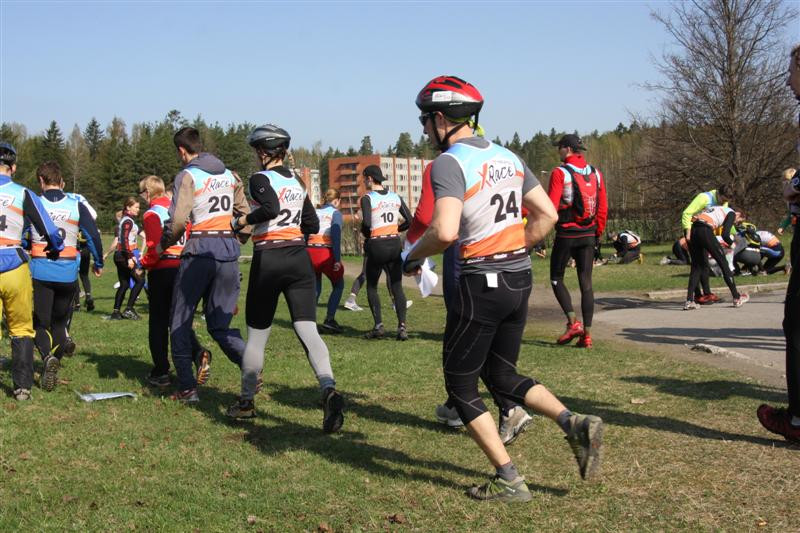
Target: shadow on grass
[770, 339]
[661, 423]
[113, 366]
[710, 390]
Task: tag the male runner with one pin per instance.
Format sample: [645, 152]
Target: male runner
[480, 188]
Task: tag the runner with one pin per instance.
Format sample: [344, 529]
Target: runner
[325, 250]
[578, 192]
[85, 258]
[127, 261]
[55, 282]
[282, 213]
[479, 189]
[702, 241]
[628, 246]
[680, 249]
[208, 193]
[161, 273]
[786, 422]
[380, 224]
[771, 250]
[16, 289]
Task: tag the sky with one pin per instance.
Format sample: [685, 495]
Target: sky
[327, 71]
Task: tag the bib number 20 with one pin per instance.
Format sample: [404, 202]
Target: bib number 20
[219, 203]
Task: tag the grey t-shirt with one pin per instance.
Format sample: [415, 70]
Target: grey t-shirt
[447, 180]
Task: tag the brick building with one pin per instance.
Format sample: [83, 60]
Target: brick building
[403, 176]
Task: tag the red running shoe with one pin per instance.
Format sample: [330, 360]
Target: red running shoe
[575, 329]
[585, 341]
[778, 421]
[708, 299]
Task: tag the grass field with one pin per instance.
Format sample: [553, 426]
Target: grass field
[683, 447]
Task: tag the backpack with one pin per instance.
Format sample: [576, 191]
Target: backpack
[584, 196]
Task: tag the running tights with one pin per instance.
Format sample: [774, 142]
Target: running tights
[385, 254]
[582, 250]
[703, 240]
[124, 274]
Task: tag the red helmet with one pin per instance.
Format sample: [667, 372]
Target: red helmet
[452, 96]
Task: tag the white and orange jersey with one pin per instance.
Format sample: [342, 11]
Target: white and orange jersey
[768, 240]
[12, 220]
[65, 214]
[631, 237]
[213, 203]
[284, 229]
[714, 216]
[133, 234]
[385, 216]
[491, 220]
[323, 237]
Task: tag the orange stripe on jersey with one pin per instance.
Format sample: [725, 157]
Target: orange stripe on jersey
[15, 209]
[386, 230]
[69, 252]
[472, 191]
[222, 222]
[13, 242]
[510, 239]
[320, 239]
[281, 235]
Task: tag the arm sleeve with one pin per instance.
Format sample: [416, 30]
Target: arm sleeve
[424, 211]
[124, 235]
[309, 221]
[336, 235]
[406, 213]
[89, 229]
[264, 195]
[34, 211]
[698, 204]
[366, 216]
[602, 204]
[179, 209]
[152, 236]
[447, 178]
[727, 225]
[555, 188]
[529, 179]
[92, 212]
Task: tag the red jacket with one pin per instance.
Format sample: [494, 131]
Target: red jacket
[152, 237]
[555, 190]
[424, 211]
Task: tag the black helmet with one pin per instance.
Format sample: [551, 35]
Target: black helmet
[269, 138]
[8, 154]
[450, 95]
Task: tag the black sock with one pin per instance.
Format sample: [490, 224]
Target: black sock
[508, 472]
[563, 419]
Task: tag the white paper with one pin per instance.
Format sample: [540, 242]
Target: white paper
[491, 280]
[427, 279]
[97, 396]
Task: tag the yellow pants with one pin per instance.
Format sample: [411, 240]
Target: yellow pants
[16, 300]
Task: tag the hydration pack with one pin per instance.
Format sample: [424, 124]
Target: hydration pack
[583, 208]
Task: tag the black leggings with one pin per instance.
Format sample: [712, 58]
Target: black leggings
[52, 306]
[791, 327]
[703, 240]
[362, 277]
[385, 254]
[277, 271]
[482, 339]
[125, 274]
[582, 250]
[772, 260]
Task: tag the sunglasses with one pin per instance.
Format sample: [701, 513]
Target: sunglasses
[423, 119]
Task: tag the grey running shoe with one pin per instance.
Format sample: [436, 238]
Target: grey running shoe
[331, 326]
[690, 305]
[352, 305]
[332, 407]
[159, 381]
[69, 347]
[514, 424]
[22, 395]
[375, 333]
[203, 363]
[50, 374]
[503, 491]
[186, 396]
[130, 314]
[402, 334]
[741, 300]
[585, 437]
[242, 409]
[449, 416]
[116, 315]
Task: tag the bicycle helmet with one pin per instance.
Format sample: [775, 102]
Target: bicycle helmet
[450, 95]
[8, 154]
[269, 138]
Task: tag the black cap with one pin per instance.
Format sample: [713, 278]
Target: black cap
[374, 172]
[571, 141]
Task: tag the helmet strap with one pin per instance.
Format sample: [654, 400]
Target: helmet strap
[443, 143]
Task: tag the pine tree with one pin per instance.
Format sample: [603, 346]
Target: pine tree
[366, 146]
[404, 146]
[93, 135]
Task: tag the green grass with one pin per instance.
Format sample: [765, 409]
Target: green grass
[692, 456]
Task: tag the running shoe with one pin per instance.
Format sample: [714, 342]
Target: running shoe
[585, 341]
[242, 409]
[375, 333]
[585, 437]
[640, 259]
[203, 363]
[501, 490]
[449, 416]
[49, 378]
[161, 381]
[741, 300]
[351, 304]
[690, 305]
[664, 261]
[22, 395]
[185, 396]
[402, 334]
[69, 347]
[89, 304]
[130, 314]
[332, 407]
[574, 329]
[116, 315]
[514, 424]
[708, 299]
[409, 303]
[778, 421]
[331, 326]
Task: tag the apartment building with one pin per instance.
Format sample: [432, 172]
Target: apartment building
[403, 176]
[310, 177]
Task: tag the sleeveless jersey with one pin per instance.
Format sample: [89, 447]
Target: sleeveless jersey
[283, 230]
[12, 221]
[174, 251]
[134, 233]
[213, 203]
[633, 239]
[66, 217]
[768, 240]
[385, 214]
[323, 237]
[491, 220]
[714, 216]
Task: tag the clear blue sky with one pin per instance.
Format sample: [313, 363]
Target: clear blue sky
[332, 72]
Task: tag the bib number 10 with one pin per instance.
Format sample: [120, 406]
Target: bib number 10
[504, 208]
[219, 203]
